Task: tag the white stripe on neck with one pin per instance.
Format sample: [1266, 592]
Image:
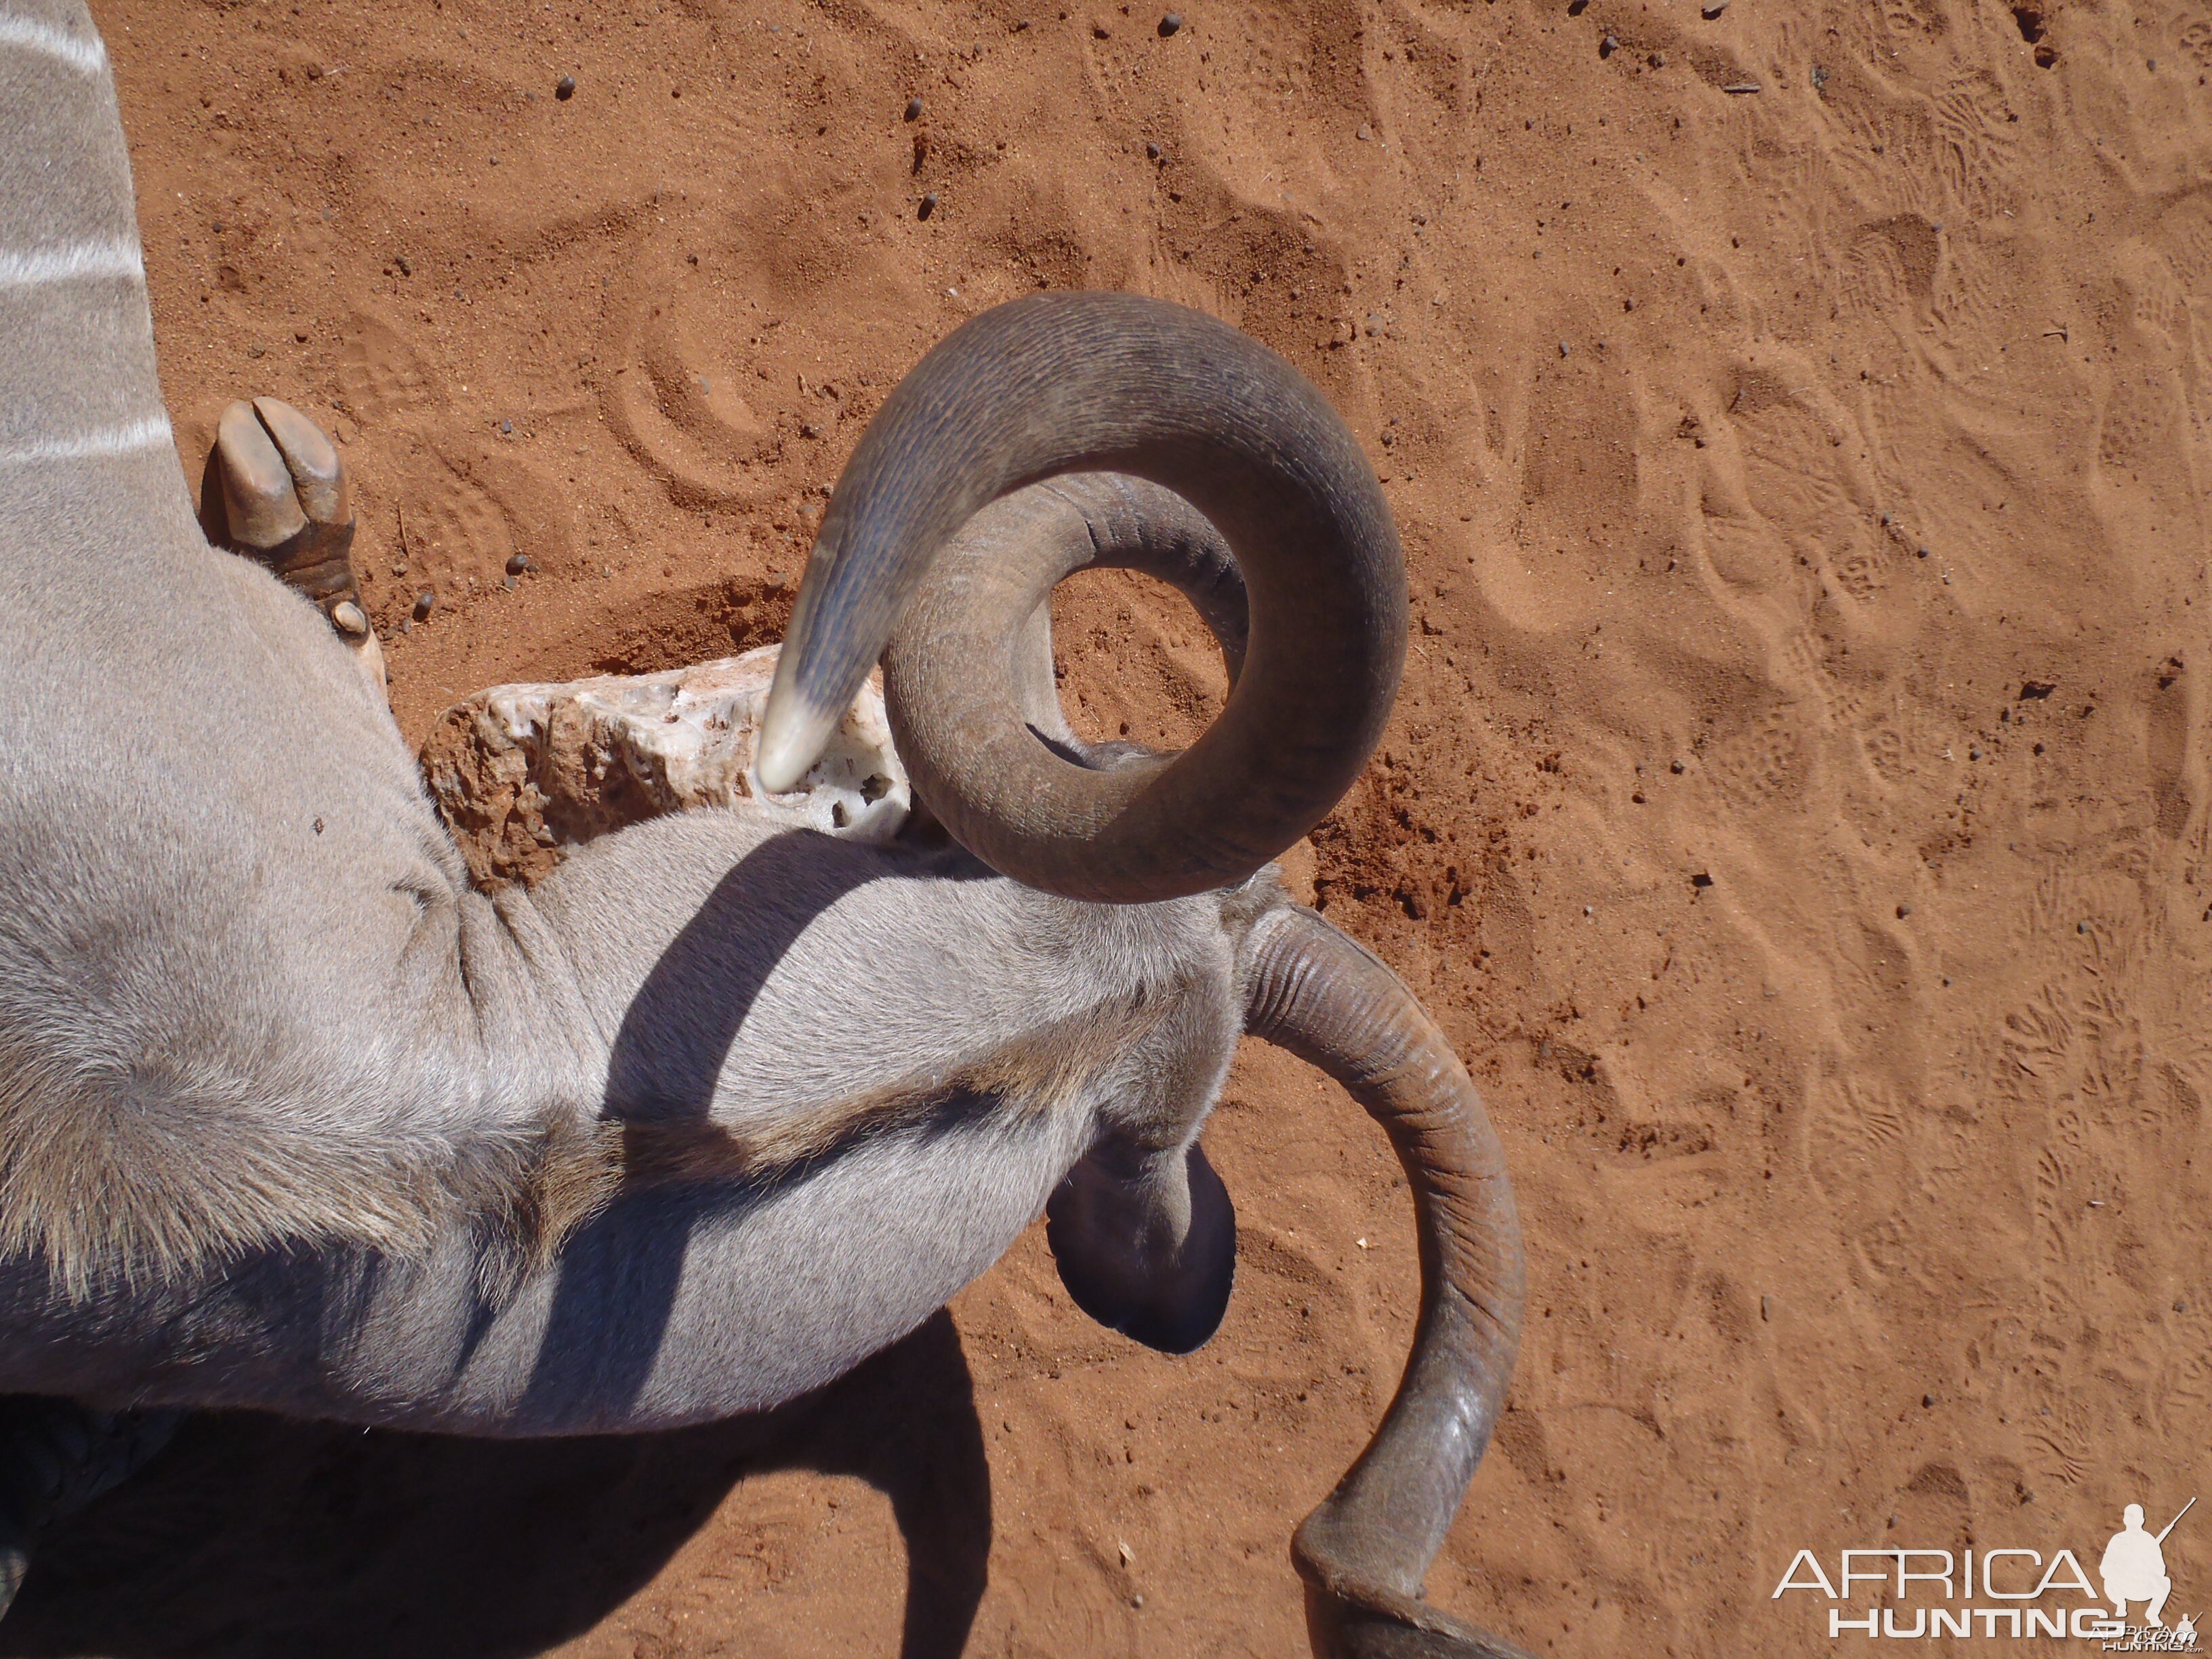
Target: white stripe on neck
[89, 57]
[61, 265]
[145, 433]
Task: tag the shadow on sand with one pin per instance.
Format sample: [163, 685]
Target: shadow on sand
[253, 1536]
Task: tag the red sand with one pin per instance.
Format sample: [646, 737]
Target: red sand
[1796, 811]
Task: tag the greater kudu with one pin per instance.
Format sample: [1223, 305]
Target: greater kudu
[293, 1118]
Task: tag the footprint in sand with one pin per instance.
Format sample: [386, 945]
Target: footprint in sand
[2144, 424]
[1763, 763]
[2185, 234]
[466, 513]
[455, 530]
[1872, 286]
[384, 378]
[1786, 492]
[1579, 489]
[1975, 148]
[1891, 264]
[1794, 485]
[2170, 748]
[1884, 146]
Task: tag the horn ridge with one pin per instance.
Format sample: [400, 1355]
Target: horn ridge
[1364, 1551]
[1105, 382]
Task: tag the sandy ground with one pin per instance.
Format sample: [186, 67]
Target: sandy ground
[1796, 811]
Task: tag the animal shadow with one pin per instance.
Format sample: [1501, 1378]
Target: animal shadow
[253, 1535]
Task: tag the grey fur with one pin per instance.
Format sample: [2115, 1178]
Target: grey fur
[293, 1118]
[290, 1116]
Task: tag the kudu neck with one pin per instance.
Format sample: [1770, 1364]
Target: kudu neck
[85, 444]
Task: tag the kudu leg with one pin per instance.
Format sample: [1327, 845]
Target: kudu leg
[287, 504]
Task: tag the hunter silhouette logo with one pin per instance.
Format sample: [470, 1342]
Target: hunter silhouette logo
[2134, 1567]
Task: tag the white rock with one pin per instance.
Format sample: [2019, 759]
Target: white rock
[523, 772]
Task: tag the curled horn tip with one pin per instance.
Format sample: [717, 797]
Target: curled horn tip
[790, 738]
[796, 725]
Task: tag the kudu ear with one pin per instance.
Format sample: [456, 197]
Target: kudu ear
[1146, 1243]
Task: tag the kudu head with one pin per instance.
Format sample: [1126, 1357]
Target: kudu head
[1177, 446]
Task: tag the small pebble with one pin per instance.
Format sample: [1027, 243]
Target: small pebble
[508, 582]
[1712, 9]
[1363, 135]
[1676, 768]
[1903, 911]
[1563, 348]
[1657, 60]
[1607, 46]
[517, 563]
[565, 87]
[425, 602]
[1927, 1399]
[1740, 87]
[506, 429]
[1169, 24]
[913, 109]
[1136, 1601]
[928, 206]
[1152, 152]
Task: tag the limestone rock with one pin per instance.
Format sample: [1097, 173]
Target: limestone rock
[522, 773]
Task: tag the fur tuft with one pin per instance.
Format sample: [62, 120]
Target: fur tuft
[124, 1180]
